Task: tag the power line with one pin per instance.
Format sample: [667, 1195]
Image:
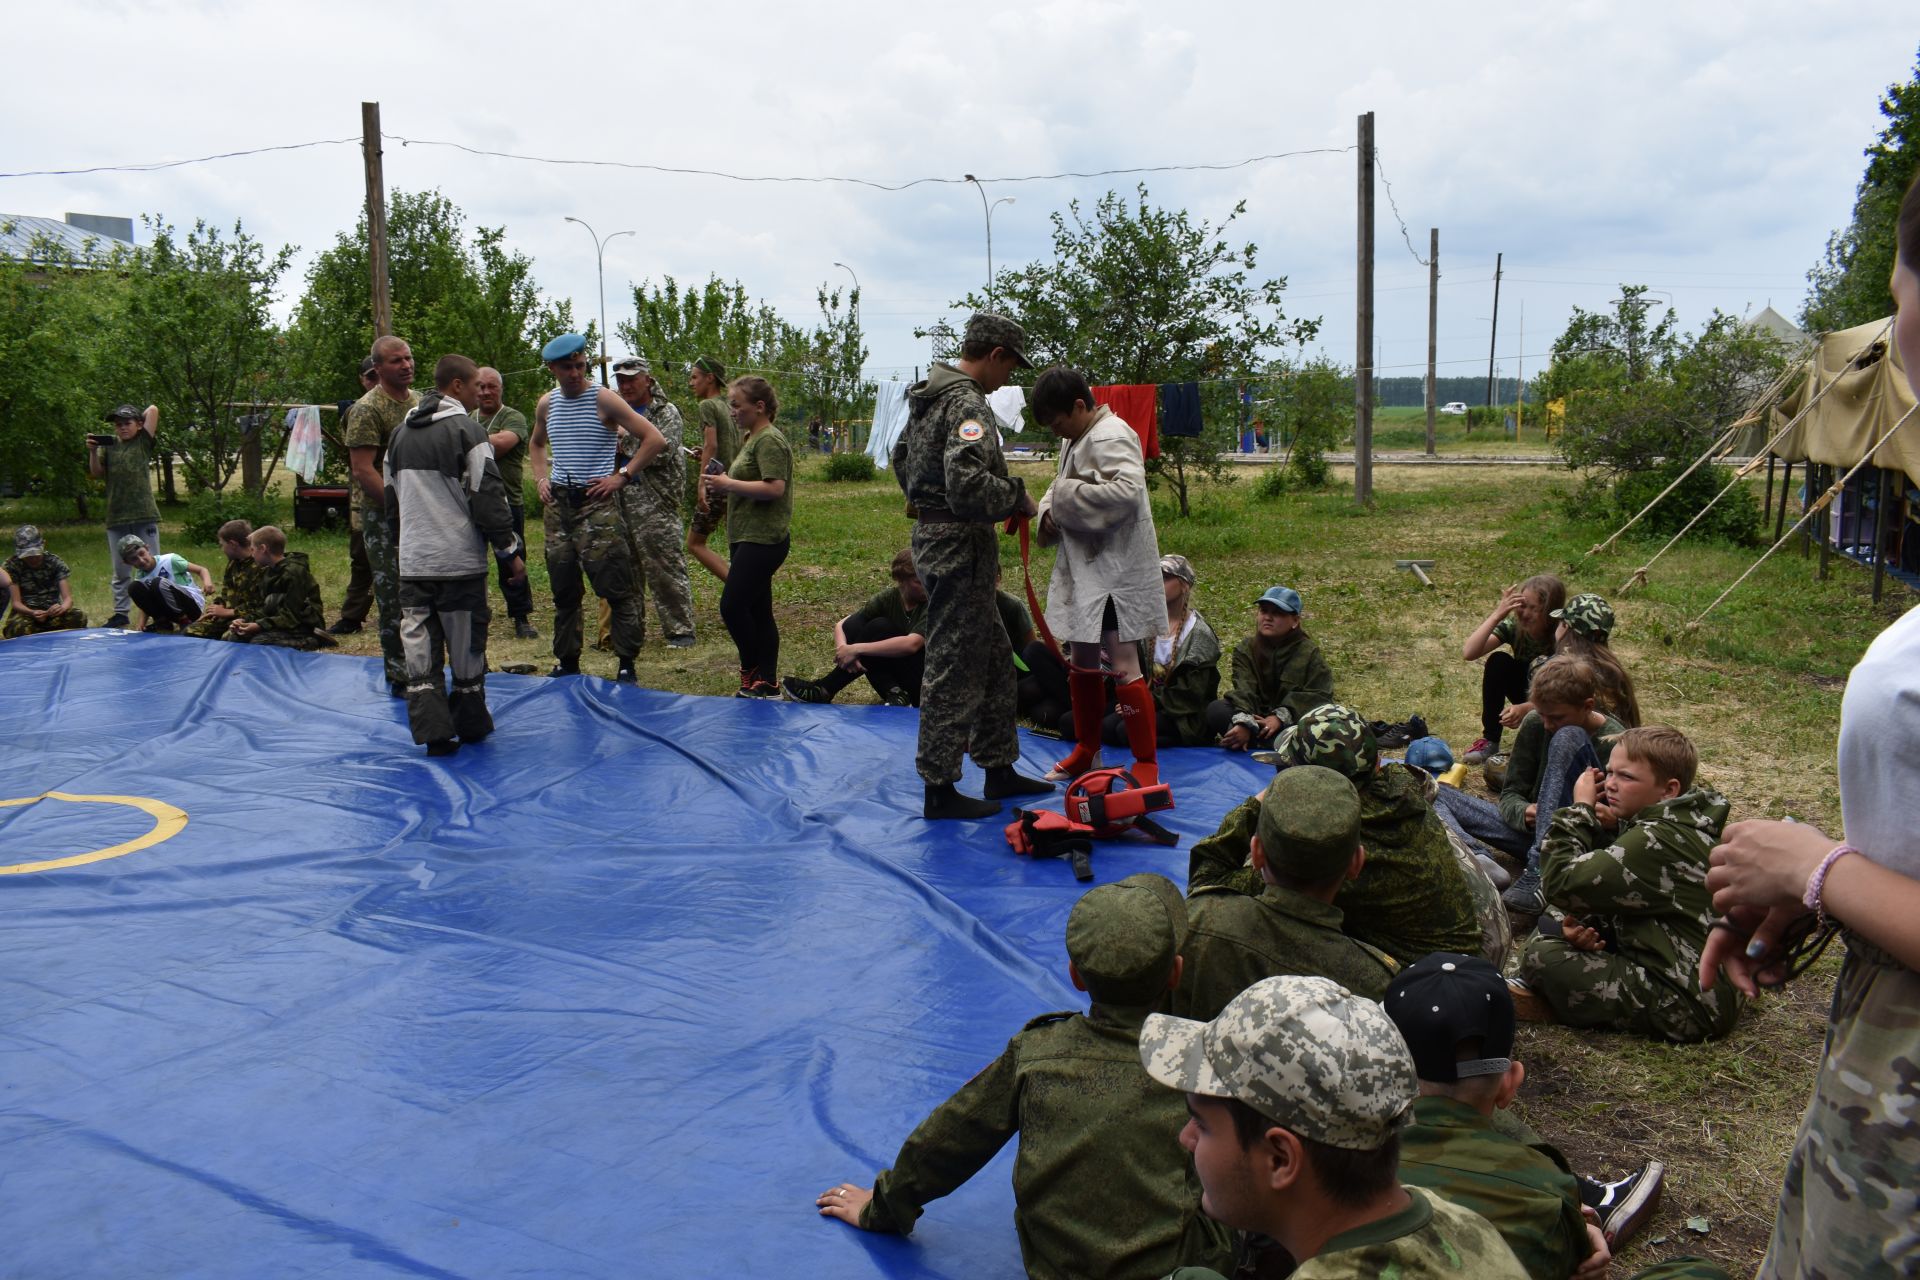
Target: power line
[1381, 170]
[861, 182]
[152, 166]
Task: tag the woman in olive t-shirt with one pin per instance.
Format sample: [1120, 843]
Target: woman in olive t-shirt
[759, 509]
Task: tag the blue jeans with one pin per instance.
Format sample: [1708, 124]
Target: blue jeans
[1569, 754]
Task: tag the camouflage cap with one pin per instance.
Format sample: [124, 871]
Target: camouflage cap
[28, 542]
[632, 366]
[1587, 615]
[1310, 823]
[1330, 735]
[1122, 938]
[1176, 566]
[1305, 1052]
[986, 329]
[129, 543]
[1442, 1001]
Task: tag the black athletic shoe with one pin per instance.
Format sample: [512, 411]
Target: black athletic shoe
[627, 675]
[565, 669]
[898, 697]
[444, 747]
[397, 689]
[765, 690]
[799, 690]
[344, 628]
[523, 630]
[118, 620]
[1626, 1206]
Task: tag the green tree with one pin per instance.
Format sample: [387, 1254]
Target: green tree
[1849, 286]
[837, 353]
[59, 312]
[1139, 294]
[1602, 350]
[674, 325]
[1312, 411]
[198, 338]
[452, 292]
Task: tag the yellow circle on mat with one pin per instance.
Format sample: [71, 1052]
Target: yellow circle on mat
[167, 823]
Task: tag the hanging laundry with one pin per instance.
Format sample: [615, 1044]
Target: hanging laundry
[1139, 406]
[304, 449]
[1180, 409]
[1007, 403]
[889, 420]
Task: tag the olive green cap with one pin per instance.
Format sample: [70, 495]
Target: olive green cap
[1123, 937]
[1309, 823]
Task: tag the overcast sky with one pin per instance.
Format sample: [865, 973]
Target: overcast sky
[1702, 149]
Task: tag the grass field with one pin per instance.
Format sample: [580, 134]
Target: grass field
[1757, 686]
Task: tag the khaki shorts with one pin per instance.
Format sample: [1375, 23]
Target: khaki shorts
[714, 517]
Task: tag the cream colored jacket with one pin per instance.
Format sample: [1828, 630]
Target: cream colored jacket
[1103, 525]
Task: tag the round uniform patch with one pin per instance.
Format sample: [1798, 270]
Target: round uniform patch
[971, 431]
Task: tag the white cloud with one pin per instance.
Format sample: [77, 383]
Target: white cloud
[1705, 149]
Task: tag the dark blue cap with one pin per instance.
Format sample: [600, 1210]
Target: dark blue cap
[565, 345]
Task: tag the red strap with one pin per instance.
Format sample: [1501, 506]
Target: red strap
[1026, 572]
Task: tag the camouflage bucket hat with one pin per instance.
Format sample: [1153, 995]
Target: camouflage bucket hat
[1334, 736]
[1587, 615]
[1310, 823]
[28, 542]
[986, 329]
[1304, 1052]
[1122, 938]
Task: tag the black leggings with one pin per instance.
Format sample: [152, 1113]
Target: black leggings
[746, 605]
[1502, 680]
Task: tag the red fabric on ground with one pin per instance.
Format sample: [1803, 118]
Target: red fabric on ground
[1140, 406]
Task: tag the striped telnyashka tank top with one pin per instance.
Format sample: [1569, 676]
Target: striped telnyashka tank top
[582, 446]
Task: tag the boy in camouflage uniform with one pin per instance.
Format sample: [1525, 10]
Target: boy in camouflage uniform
[290, 612]
[1100, 1185]
[1631, 865]
[239, 585]
[38, 590]
[1306, 848]
[949, 466]
[1298, 1078]
[1415, 894]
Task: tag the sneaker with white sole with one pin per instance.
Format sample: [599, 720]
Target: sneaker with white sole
[1479, 751]
[1625, 1207]
[1525, 895]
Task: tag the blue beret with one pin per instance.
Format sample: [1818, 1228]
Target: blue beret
[565, 345]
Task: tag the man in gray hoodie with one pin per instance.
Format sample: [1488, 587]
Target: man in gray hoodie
[445, 503]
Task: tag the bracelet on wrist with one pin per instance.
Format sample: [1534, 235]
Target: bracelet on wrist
[1814, 897]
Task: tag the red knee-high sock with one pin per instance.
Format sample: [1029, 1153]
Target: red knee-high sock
[1135, 701]
[1089, 690]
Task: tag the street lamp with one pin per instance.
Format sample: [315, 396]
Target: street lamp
[988, 210]
[600, 268]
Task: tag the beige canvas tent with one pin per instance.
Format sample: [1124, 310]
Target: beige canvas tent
[1866, 393]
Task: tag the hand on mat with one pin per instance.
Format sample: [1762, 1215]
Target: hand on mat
[844, 1202]
[1511, 717]
[1581, 937]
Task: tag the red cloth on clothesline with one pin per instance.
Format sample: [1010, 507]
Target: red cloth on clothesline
[1140, 406]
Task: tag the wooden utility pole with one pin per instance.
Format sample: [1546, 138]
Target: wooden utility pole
[1495, 338]
[1433, 327]
[376, 219]
[1363, 373]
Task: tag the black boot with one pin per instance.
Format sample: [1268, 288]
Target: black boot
[945, 802]
[1003, 782]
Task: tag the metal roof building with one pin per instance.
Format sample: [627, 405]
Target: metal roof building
[80, 234]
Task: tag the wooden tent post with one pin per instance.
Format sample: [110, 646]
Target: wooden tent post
[1786, 487]
[1767, 514]
[1879, 534]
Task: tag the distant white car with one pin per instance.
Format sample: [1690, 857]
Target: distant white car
[1454, 406]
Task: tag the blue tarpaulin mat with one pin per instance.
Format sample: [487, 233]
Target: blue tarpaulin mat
[615, 993]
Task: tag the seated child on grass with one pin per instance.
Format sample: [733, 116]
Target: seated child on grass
[1523, 620]
[38, 592]
[1278, 676]
[1561, 738]
[1101, 1185]
[165, 592]
[290, 614]
[1584, 627]
[238, 596]
[1627, 861]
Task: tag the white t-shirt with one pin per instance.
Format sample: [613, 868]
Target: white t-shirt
[1880, 749]
[1164, 644]
[174, 569]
